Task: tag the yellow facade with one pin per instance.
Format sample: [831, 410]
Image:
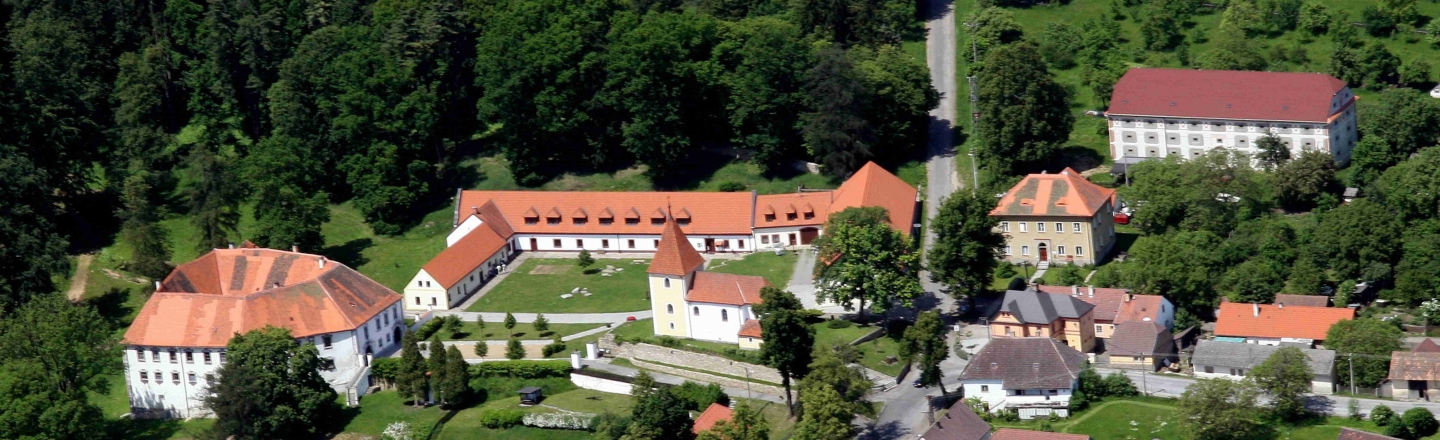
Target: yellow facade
[1060, 237]
[1078, 334]
[668, 304]
[750, 343]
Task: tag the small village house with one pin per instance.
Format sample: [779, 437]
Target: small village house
[1034, 376]
[1056, 218]
[1029, 313]
[1233, 360]
[1114, 306]
[712, 415]
[1141, 344]
[1273, 324]
[1415, 375]
[958, 423]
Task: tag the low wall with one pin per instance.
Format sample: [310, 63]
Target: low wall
[710, 378]
[688, 359]
[873, 335]
[600, 384]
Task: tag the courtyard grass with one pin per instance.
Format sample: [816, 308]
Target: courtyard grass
[874, 352]
[776, 269]
[526, 291]
[470, 331]
[116, 402]
[378, 410]
[826, 336]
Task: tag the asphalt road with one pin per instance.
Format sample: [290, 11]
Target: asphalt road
[1174, 386]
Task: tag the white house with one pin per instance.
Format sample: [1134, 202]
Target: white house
[1233, 360]
[1187, 112]
[178, 339]
[632, 222]
[1033, 376]
[689, 302]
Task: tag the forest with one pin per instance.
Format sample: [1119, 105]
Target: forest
[119, 113]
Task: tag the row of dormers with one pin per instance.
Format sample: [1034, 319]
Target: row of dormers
[606, 217]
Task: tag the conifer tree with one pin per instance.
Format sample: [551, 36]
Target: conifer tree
[410, 382]
[436, 365]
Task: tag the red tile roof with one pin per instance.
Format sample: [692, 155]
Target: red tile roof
[771, 210]
[1302, 300]
[1239, 319]
[716, 412]
[674, 255]
[874, 186]
[469, 252]
[1062, 194]
[751, 328]
[1413, 365]
[1426, 346]
[712, 213]
[725, 288]
[959, 423]
[1225, 94]
[1023, 434]
[227, 291]
[1140, 307]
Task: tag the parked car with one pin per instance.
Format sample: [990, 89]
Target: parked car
[1435, 92]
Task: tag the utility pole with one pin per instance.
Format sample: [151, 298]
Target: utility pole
[747, 385]
[1144, 383]
[1352, 373]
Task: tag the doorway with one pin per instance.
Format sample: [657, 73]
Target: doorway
[792, 238]
[709, 245]
[399, 332]
[534, 244]
[808, 235]
[1044, 252]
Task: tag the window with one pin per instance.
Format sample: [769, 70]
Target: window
[809, 215]
[419, 284]
[191, 378]
[724, 315]
[696, 311]
[1004, 226]
[667, 282]
[657, 221]
[1075, 227]
[630, 243]
[155, 355]
[175, 376]
[417, 300]
[579, 243]
[605, 244]
[769, 217]
[764, 239]
[984, 388]
[789, 216]
[556, 242]
[1209, 369]
[222, 357]
[672, 326]
[1059, 227]
[432, 301]
[209, 377]
[532, 220]
[682, 221]
[740, 244]
[1022, 227]
[1079, 250]
[206, 357]
[1098, 328]
[1024, 250]
[1007, 250]
[140, 355]
[579, 221]
[657, 244]
[606, 221]
[1059, 250]
[326, 338]
[1039, 226]
[670, 308]
[173, 359]
[632, 221]
[552, 221]
[144, 376]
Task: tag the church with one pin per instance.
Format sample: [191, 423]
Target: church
[689, 302]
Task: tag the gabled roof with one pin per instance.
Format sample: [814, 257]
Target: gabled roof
[1412, 365]
[1225, 94]
[712, 213]
[1302, 300]
[1107, 301]
[1026, 363]
[674, 255]
[1245, 355]
[874, 186]
[725, 288]
[1062, 194]
[1033, 307]
[455, 262]
[715, 413]
[750, 329]
[959, 423]
[1025, 434]
[1277, 321]
[226, 291]
[1426, 346]
[1138, 338]
[1141, 308]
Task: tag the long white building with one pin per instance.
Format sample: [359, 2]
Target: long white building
[1185, 113]
[178, 340]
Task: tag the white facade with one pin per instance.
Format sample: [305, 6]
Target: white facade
[1162, 136]
[1321, 383]
[423, 293]
[717, 322]
[627, 243]
[174, 381]
[1030, 403]
[1275, 342]
[783, 236]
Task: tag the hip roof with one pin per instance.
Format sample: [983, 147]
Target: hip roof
[1225, 94]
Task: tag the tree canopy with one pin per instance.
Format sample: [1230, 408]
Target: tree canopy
[1024, 114]
[270, 387]
[866, 261]
[1367, 343]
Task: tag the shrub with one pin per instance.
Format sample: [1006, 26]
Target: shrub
[521, 369]
[668, 341]
[558, 420]
[610, 425]
[514, 350]
[385, 369]
[501, 418]
[1355, 413]
[697, 397]
[838, 323]
[1382, 415]
[425, 331]
[1078, 401]
[1117, 384]
[553, 347]
[1420, 422]
[1005, 269]
[731, 186]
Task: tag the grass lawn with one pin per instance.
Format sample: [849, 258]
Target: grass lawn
[874, 352]
[524, 291]
[591, 401]
[644, 331]
[494, 174]
[776, 269]
[497, 331]
[376, 411]
[117, 403]
[826, 336]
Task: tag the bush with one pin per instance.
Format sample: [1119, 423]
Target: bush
[501, 418]
[1017, 283]
[1078, 401]
[697, 397]
[838, 323]
[521, 369]
[610, 425]
[731, 186]
[557, 421]
[429, 329]
[1118, 385]
[668, 341]
[553, 347]
[1382, 415]
[1420, 423]
[1006, 269]
[385, 369]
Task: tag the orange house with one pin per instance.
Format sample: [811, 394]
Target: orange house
[1028, 313]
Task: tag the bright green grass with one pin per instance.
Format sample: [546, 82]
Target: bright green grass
[776, 269]
[469, 331]
[913, 173]
[874, 352]
[591, 401]
[117, 402]
[376, 411]
[523, 291]
[826, 336]
[391, 261]
[1121, 420]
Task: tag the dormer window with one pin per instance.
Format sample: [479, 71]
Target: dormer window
[532, 220]
[809, 215]
[770, 217]
[657, 221]
[607, 221]
[552, 221]
[682, 221]
[789, 216]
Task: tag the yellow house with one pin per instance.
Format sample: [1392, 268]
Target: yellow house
[1028, 313]
[1057, 218]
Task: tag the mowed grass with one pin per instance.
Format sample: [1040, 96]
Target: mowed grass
[524, 291]
[470, 331]
[776, 269]
[376, 411]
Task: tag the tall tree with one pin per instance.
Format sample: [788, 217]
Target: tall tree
[214, 193]
[1271, 152]
[290, 205]
[924, 344]
[270, 387]
[787, 340]
[1219, 409]
[866, 260]
[1353, 237]
[745, 424]
[1252, 281]
[1300, 183]
[659, 415]
[1179, 266]
[1285, 378]
[827, 414]
[967, 245]
[1417, 277]
[1410, 187]
[34, 252]
[867, 22]
[1407, 118]
[834, 130]
[1366, 343]
[435, 364]
[146, 109]
[991, 28]
[1024, 114]
[456, 387]
[898, 101]
[764, 61]
[53, 354]
[830, 371]
[410, 381]
[148, 239]
[1187, 194]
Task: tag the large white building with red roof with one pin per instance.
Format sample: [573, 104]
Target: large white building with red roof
[178, 339]
[492, 226]
[1186, 112]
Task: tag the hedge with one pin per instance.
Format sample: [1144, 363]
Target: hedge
[521, 369]
[501, 418]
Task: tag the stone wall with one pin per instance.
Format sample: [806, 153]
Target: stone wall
[687, 359]
[710, 378]
[600, 384]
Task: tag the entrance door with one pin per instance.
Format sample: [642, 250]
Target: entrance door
[792, 238]
[710, 245]
[808, 235]
[1044, 252]
[534, 244]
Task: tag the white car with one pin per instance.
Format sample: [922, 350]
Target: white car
[1435, 92]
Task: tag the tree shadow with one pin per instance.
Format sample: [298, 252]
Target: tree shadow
[459, 335]
[1076, 157]
[546, 334]
[884, 431]
[517, 334]
[89, 221]
[701, 166]
[934, 9]
[351, 253]
[345, 415]
[112, 306]
[592, 271]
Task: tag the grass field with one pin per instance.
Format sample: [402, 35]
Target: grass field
[776, 269]
[470, 331]
[524, 291]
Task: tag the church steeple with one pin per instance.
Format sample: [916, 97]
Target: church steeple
[674, 255]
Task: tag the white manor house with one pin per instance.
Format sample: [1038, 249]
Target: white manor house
[1185, 113]
[491, 227]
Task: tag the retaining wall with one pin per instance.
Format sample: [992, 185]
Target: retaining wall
[688, 359]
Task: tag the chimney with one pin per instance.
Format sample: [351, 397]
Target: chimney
[157, 285]
[1255, 309]
[232, 246]
[1092, 291]
[1129, 296]
[321, 262]
[1075, 290]
[295, 248]
[1280, 305]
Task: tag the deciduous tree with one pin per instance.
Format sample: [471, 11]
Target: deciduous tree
[835, 131]
[1285, 377]
[1370, 341]
[1024, 114]
[34, 252]
[659, 415]
[270, 387]
[53, 355]
[1252, 281]
[1271, 152]
[1355, 236]
[1300, 183]
[787, 340]
[866, 260]
[148, 239]
[967, 246]
[1216, 409]
[745, 424]
[827, 414]
[924, 344]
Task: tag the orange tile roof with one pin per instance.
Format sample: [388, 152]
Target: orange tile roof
[1239, 319]
[712, 213]
[674, 255]
[771, 209]
[716, 412]
[1063, 194]
[874, 186]
[452, 264]
[227, 291]
[726, 288]
[751, 328]
[1023, 434]
[1140, 307]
